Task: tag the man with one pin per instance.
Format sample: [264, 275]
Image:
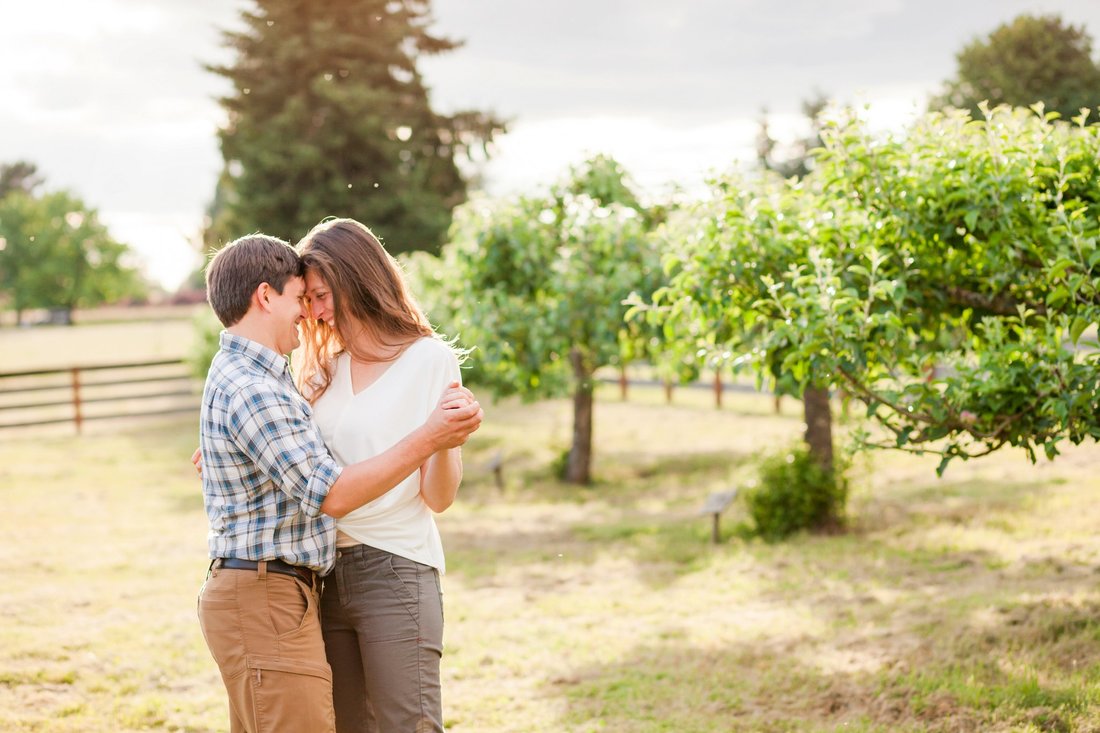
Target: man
[271, 490]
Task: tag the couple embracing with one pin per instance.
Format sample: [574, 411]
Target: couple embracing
[327, 479]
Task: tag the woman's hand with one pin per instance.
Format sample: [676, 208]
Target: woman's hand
[196, 459]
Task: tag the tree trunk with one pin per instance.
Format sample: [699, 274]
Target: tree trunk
[819, 426]
[668, 391]
[624, 384]
[578, 469]
[718, 389]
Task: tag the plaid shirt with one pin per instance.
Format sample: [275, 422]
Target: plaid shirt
[265, 469]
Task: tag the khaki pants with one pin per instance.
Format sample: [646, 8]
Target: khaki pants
[264, 632]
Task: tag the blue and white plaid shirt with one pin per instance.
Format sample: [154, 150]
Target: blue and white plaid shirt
[265, 468]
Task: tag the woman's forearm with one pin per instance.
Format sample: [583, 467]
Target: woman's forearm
[439, 478]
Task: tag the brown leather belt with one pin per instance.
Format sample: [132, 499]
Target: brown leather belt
[303, 574]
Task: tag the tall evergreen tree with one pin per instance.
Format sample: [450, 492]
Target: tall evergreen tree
[19, 176]
[799, 161]
[329, 115]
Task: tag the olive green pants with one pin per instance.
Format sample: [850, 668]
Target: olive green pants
[382, 616]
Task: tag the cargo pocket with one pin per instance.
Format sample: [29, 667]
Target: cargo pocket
[290, 694]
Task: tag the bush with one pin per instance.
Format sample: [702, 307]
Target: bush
[207, 335]
[795, 493]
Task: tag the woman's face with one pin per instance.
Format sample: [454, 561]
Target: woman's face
[320, 299]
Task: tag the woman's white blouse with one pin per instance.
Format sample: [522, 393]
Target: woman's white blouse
[360, 426]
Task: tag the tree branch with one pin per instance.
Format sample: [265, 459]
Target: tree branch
[1000, 305]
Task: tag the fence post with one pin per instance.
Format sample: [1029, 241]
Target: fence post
[78, 417]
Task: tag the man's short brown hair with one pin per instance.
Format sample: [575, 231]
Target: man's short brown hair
[241, 266]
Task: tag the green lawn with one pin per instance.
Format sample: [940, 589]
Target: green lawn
[969, 603]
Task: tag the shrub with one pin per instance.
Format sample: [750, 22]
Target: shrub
[207, 335]
[795, 493]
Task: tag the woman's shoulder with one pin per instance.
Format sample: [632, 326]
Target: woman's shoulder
[430, 357]
[432, 348]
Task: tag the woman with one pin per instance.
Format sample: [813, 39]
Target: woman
[371, 366]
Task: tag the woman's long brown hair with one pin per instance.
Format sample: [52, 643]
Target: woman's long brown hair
[369, 294]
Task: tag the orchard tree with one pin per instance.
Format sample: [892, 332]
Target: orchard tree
[949, 278]
[540, 284]
[55, 253]
[1031, 59]
[674, 359]
[797, 164]
[329, 115]
[750, 235]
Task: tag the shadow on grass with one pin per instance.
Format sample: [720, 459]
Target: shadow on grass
[621, 477]
[663, 548]
[790, 686]
[1029, 663]
[479, 557]
[743, 687]
[958, 502]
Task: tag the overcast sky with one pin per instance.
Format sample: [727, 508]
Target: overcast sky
[110, 100]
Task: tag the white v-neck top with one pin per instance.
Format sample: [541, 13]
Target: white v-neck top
[360, 426]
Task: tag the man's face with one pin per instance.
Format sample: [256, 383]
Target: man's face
[288, 308]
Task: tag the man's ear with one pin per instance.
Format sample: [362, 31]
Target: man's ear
[262, 297]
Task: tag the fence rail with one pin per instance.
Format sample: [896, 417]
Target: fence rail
[126, 390]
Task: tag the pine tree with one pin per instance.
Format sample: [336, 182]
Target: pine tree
[329, 116]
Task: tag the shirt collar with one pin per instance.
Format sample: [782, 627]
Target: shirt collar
[256, 352]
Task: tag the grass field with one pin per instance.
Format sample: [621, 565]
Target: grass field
[968, 603]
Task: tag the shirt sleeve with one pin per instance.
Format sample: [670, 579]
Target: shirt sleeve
[276, 431]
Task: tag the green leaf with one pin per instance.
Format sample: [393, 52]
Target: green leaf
[1059, 268]
[1077, 328]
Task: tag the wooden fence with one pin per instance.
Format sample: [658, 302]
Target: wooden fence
[78, 394]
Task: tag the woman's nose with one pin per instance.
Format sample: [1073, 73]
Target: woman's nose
[315, 308]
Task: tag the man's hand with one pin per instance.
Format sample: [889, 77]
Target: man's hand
[196, 458]
[457, 415]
